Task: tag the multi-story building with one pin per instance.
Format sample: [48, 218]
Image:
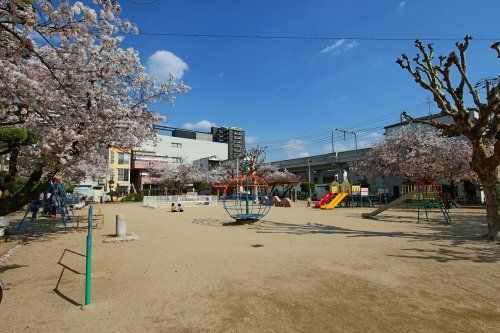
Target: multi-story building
[185, 150]
[130, 167]
[208, 163]
[142, 163]
[119, 163]
[187, 147]
[234, 137]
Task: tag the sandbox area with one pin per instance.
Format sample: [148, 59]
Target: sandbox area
[299, 270]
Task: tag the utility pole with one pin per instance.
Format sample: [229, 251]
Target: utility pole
[349, 132]
[333, 147]
[486, 83]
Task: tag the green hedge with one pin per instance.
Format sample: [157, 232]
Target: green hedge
[132, 197]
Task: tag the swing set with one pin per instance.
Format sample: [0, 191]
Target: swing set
[54, 201]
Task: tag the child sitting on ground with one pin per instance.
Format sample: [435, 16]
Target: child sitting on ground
[173, 209]
[180, 208]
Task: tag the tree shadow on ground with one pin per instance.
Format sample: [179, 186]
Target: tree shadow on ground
[446, 254]
[212, 222]
[43, 229]
[5, 268]
[461, 240]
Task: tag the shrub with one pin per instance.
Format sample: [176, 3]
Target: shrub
[132, 197]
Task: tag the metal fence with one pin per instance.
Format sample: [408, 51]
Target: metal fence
[186, 200]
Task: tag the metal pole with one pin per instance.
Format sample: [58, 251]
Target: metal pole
[88, 260]
[333, 147]
[350, 132]
[237, 175]
[247, 208]
[309, 176]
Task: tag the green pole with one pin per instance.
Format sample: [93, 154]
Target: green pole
[88, 260]
[247, 209]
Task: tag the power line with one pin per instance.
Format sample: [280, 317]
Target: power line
[292, 37]
[359, 126]
[260, 143]
[377, 124]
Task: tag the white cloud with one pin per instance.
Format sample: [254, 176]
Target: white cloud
[334, 47]
[201, 125]
[351, 45]
[296, 148]
[294, 144]
[339, 47]
[403, 4]
[326, 148]
[162, 63]
[342, 146]
[370, 139]
[250, 139]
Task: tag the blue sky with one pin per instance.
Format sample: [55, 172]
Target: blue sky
[288, 94]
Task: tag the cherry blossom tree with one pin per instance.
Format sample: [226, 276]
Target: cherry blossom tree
[257, 166]
[178, 176]
[66, 82]
[447, 79]
[221, 174]
[418, 152]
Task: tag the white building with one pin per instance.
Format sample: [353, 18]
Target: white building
[95, 190]
[181, 150]
[208, 163]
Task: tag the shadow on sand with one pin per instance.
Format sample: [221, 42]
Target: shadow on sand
[64, 268]
[461, 240]
[5, 268]
[43, 229]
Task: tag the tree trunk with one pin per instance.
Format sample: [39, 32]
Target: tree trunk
[491, 186]
[488, 172]
[30, 191]
[10, 179]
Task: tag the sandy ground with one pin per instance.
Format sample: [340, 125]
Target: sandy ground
[299, 270]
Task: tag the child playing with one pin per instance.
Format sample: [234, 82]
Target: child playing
[173, 209]
[180, 208]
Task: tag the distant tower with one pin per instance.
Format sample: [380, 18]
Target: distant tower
[234, 137]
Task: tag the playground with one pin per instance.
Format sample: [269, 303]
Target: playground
[299, 269]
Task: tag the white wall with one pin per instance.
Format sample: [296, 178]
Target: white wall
[189, 151]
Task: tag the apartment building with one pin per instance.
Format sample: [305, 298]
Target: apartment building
[119, 163]
[234, 137]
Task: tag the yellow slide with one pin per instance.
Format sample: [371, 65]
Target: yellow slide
[338, 198]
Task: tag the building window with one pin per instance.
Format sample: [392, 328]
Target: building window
[111, 157]
[112, 177]
[176, 145]
[124, 158]
[123, 175]
[176, 159]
